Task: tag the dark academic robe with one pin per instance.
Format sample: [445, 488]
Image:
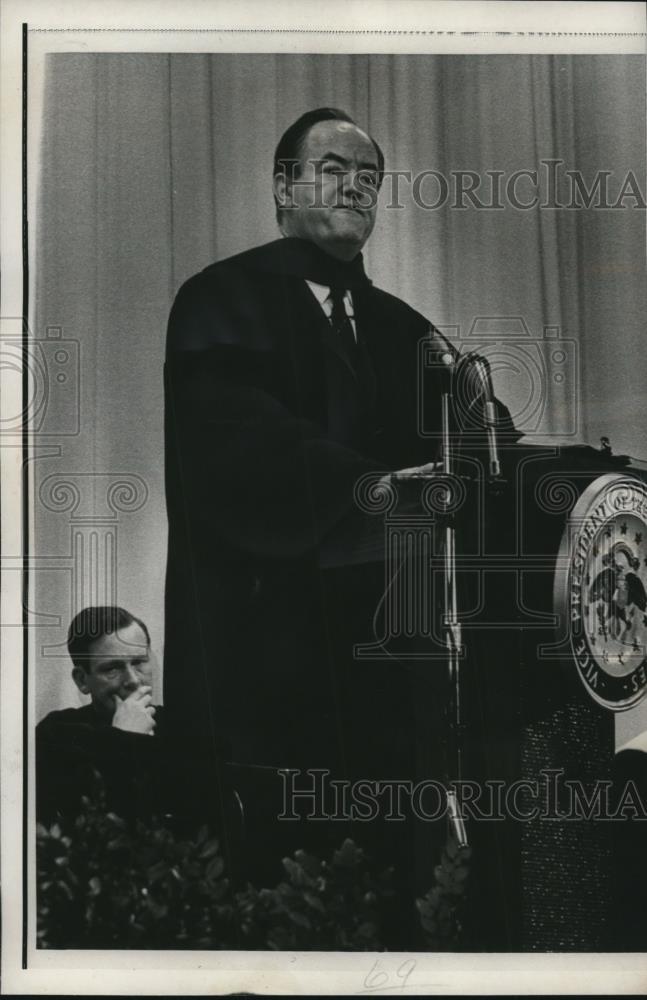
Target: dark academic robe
[76, 744]
[268, 430]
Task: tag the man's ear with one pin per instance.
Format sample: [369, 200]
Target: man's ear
[81, 680]
[282, 191]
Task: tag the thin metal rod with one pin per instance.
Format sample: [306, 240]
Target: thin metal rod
[452, 637]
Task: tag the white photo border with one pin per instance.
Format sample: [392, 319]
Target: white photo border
[146, 25]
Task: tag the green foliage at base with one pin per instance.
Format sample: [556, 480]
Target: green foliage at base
[102, 884]
[331, 906]
[105, 884]
[440, 908]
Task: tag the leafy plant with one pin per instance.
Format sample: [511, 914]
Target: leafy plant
[441, 907]
[330, 906]
[103, 883]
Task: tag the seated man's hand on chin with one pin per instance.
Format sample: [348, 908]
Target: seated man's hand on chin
[136, 713]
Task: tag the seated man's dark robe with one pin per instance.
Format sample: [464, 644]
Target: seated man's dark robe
[75, 744]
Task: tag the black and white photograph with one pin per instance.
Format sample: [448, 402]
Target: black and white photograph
[324, 470]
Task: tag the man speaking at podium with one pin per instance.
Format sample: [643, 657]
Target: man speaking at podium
[289, 376]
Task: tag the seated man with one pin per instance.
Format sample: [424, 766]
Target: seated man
[118, 735]
[121, 736]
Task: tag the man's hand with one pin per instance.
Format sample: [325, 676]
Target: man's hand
[416, 472]
[135, 714]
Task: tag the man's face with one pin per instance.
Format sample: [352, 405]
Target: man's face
[117, 665]
[333, 201]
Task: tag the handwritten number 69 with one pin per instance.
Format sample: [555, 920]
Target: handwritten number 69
[378, 979]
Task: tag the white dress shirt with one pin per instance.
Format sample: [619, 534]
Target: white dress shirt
[323, 297]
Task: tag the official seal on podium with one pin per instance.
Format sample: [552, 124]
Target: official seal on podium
[601, 589]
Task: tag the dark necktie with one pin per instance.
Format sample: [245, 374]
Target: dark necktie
[342, 326]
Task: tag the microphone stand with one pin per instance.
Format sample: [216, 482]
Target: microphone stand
[453, 870]
[450, 619]
[452, 626]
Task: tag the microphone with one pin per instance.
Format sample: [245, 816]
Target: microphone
[441, 356]
[441, 352]
[481, 369]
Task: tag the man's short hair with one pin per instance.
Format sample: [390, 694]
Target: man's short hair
[93, 623]
[290, 146]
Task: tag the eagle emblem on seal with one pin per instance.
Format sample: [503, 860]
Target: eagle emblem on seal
[619, 597]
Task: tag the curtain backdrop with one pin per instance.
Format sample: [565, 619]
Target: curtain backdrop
[152, 166]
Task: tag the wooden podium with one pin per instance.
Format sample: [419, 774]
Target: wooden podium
[552, 576]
